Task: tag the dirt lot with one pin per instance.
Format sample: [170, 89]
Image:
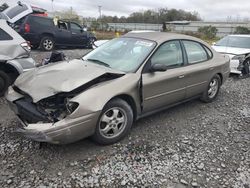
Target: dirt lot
[191, 145]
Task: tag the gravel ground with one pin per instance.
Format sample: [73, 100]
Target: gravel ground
[190, 145]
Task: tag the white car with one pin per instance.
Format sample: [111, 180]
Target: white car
[237, 47]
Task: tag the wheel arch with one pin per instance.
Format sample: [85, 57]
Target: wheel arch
[131, 102]
[221, 77]
[10, 70]
[47, 35]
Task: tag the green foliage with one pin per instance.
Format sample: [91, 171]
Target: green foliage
[242, 30]
[162, 15]
[208, 32]
[153, 16]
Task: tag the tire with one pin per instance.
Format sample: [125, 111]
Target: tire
[34, 47]
[5, 82]
[114, 122]
[91, 42]
[47, 43]
[212, 90]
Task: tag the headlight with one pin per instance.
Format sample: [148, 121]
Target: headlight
[241, 58]
[26, 46]
[71, 107]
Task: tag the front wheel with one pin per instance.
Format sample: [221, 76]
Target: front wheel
[212, 90]
[91, 42]
[114, 122]
[5, 81]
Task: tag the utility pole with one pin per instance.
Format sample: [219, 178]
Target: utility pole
[100, 14]
[52, 7]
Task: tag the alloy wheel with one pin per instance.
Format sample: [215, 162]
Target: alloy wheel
[113, 122]
[2, 84]
[48, 44]
[213, 88]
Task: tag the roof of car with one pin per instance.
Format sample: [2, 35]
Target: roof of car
[161, 37]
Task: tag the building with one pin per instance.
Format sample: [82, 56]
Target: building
[224, 28]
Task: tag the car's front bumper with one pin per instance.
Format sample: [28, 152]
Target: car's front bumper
[62, 132]
[65, 131]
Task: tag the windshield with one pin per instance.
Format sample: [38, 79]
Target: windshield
[124, 54]
[234, 41]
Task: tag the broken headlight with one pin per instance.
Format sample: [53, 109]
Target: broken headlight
[241, 58]
[71, 107]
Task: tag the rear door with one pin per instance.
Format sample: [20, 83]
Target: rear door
[16, 12]
[63, 33]
[78, 36]
[200, 67]
[165, 88]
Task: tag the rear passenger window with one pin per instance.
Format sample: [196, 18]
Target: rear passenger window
[195, 52]
[4, 35]
[41, 21]
[209, 52]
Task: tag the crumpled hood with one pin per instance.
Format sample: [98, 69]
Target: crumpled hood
[231, 50]
[61, 77]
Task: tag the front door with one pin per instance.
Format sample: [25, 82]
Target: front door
[78, 36]
[63, 35]
[164, 88]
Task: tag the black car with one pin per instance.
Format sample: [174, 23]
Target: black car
[46, 33]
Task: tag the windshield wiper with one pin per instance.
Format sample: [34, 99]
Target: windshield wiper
[99, 62]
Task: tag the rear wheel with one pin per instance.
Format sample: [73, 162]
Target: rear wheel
[34, 46]
[114, 122]
[47, 43]
[5, 81]
[212, 90]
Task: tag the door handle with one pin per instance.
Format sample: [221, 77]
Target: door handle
[181, 76]
[211, 68]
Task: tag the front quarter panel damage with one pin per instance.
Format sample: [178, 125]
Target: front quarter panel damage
[94, 99]
[71, 127]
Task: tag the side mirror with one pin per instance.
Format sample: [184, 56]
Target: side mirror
[158, 68]
[214, 43]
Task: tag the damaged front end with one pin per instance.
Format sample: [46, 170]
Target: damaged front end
[50, 119]
[49, 110]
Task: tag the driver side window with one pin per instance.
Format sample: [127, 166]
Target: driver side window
[75, 28]
[169, 54]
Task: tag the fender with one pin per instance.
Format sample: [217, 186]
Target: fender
[22, 65]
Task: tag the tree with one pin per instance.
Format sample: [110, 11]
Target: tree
[164, 27]
[70, 15]
[208, 32]
[242, 30]
[154, 16]
[95, 25]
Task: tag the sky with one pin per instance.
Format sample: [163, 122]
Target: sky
[209, 10]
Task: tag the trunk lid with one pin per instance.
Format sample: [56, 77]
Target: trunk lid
[16, 12]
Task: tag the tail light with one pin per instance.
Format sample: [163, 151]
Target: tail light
[27, 28]
[26, 46]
